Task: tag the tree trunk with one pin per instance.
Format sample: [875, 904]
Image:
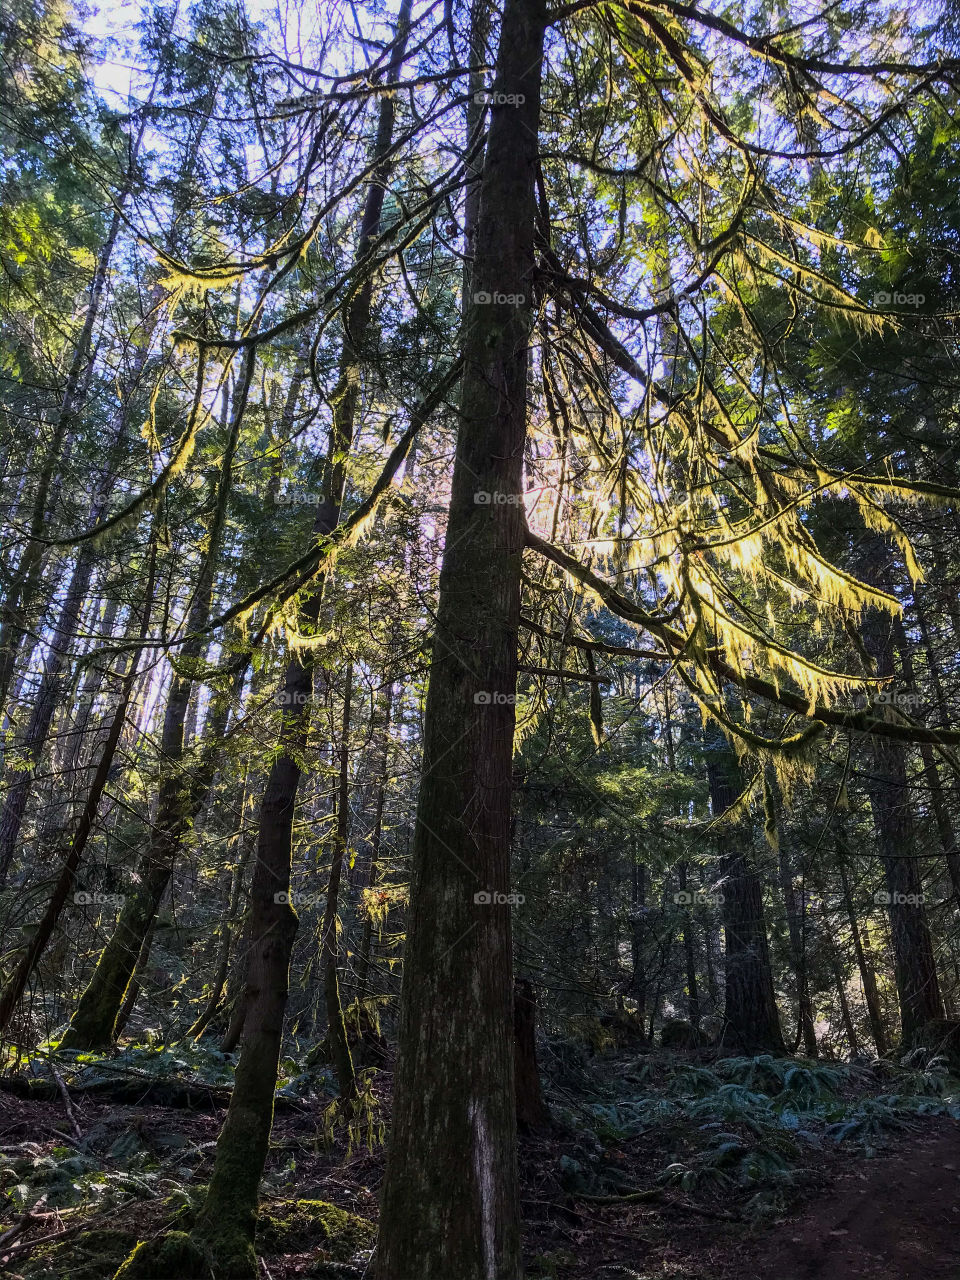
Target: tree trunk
[845, 1016]
[690, 955]
[181, 790]
[638, 932]
[48, 698]
[229, 925]
[133, 990]
[227, 1223]
[751, 1020]
[931, 776]
[383, 774]
[532, 1111]
[24, 579]
[887, 786]
[796, 930]
[66, 880]
[94, 1024]
[450, 1204]
[329, 946]
[867, 977]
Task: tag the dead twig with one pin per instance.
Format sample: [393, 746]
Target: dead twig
[67, 1104]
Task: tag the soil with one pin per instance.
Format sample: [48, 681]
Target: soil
[895, 1216]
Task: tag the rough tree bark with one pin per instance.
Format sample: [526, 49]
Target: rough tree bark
[450, 1200]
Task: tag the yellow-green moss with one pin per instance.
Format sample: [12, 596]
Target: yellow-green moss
[306, 1224]
[91, 1255]
[172, 1255]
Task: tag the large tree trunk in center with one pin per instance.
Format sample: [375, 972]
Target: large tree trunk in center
[450, 1205]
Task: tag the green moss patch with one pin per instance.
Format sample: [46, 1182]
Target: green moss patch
[173, 1255]
[312, 1224]
[90, 1255]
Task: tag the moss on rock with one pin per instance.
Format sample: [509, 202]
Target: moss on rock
[171, 1255]
[91, 1255]
[306, 1224]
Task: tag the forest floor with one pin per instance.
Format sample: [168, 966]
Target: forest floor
[666, 1176]
[895, 1216]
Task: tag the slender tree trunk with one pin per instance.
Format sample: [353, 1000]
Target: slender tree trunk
[867, 976]
[229, 926]
[226, 1225]
[690, 955]
[450, 1202]
[796, 930]
[383, 773]
[94, 1024]
[66, 880]
[931, 776]
[26, 576]
[181, 791]
[845, 1015]
[638, 935]
[47, 700]
[887, 786]
[329, 943]
[133, 990]
[25, 579]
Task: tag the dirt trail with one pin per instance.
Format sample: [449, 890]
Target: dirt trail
[896, 1217]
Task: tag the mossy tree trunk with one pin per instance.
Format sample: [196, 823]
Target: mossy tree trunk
[227, 1222]
[94, 1024]
[449, 1205]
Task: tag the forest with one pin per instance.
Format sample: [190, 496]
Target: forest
[479, 628]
